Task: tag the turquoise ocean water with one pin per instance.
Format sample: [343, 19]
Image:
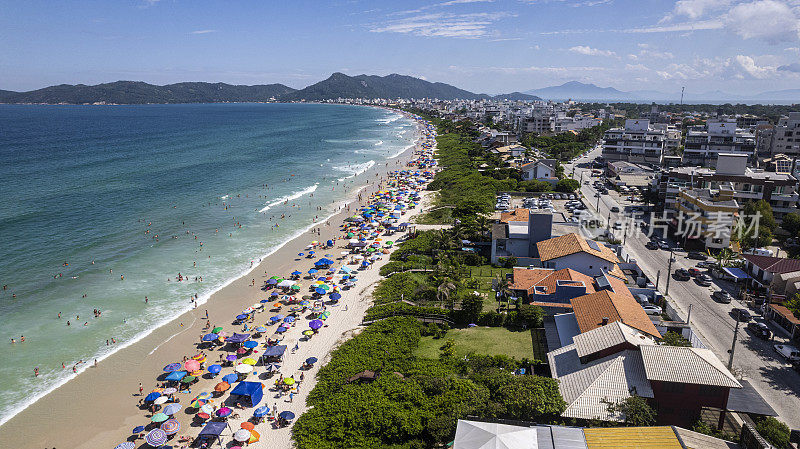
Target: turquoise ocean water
[93, 193]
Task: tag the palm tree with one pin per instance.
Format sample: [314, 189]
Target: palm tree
[444, 290]
[502, 288]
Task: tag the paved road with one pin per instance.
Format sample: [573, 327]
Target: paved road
[755, 359]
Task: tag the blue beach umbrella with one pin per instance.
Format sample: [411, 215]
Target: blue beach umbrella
[296, 273]
[172, 409]
[264, 301]
[152, 396]
[301, 254]
[281, 330]
[172, 367]
[214, 369]
[210, 337]
[230, 378]
[138, 429]
[277, 317]
[176, 376]
[261, 329]
[274, 294]
[241, 317]
[272, 281]
[261, 411]
[288, 319]
[311, 360]
[312, 271]
[250, 344]
[320, 291]
[335, 296]
[287, 415]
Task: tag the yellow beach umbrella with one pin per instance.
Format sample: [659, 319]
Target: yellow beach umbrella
[249, 361]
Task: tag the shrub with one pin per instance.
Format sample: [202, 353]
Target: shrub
[492, 319]
[774, 431]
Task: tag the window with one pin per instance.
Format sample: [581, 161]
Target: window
[590, 267]
[746, 187]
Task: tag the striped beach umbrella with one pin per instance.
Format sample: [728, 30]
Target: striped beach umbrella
[125, 445]
[171, 427]
[156, 437]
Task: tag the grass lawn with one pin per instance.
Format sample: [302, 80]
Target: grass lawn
[485, 274]
[481, 340]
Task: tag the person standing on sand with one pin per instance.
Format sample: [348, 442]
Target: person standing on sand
[141, 389]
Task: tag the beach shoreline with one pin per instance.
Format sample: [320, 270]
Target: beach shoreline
[97, 407]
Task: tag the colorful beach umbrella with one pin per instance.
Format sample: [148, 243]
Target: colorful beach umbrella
[170, 390]
[172, 409]
[207, 408]
[223, 412]
[188, 379]
[152, 396]
[192, 365]
[198, 403]
[261, 411]
[242, 435]
[216, 330]
[214, 369]
[250, 344]
[222, 386]
[171, 426]
[125, 445]
[230, 378]
[249, 361]
[288, 380]
[204, 395]
[230, 357]
[315, 324]
[172, 367]
[247, 425]
[308, 333]
[156, 438]
[159, 417]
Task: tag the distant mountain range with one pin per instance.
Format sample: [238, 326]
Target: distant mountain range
[337, 85]
[589, 92]
[137, 92]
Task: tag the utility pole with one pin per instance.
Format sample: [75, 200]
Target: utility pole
[689, 317]
[669, 273]
[682, 89]
[658, 278]
[733, 344]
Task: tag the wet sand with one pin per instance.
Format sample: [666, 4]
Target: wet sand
[98, 408]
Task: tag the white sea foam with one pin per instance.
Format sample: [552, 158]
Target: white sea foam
[378, 143]
[293, 196]
[354, 169]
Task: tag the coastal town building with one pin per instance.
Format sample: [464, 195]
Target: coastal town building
[719, 135]
[637, 142]
[517, 233]
[786, 138]
[708, 216]
[540, 170]
[748, 184]
[579, 253]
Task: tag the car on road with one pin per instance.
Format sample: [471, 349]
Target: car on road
[703, 280]
[663, 245]
[615, 209]
[788, 352]
[760, 329]
[652, 309]
[682, 274]
[705, 264]
[696, 255]
[722, 296]
[741, 314]
[651, 245]
[694, 271]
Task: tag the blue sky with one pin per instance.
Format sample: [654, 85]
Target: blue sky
[483, 46]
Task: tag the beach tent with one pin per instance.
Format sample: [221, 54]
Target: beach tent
[238, 338]
[213, 432]
[175, 376]
[250, 390]
[274, 351]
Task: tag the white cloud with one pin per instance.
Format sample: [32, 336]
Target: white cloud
[584, 50]
[793, 67]
[737, 67]
[746, 66]
[466, 26]
[459, 2]
[203, 31]
[695, 9]
[769, 20]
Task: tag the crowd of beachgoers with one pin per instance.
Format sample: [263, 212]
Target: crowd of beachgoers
[248, 369]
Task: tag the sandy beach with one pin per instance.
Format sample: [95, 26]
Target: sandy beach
[98, 408]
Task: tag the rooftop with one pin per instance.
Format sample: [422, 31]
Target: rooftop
[528, 278]
[686, 365]
[571, 244]
[591, 309]
[515, 215]
[749, 173]
[609, 336]
[773, 264]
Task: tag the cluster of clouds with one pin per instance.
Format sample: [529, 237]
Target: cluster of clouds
[772, 21]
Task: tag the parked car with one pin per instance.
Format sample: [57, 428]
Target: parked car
[615, 209]
[722, 296]
[694, 271]
[641, 298]
[705, 264]
[681, 274]
[789, 352]
[696, 255]
[703, 280]
[651, 245]
[741, 314]
[652, 309]
[760, 329]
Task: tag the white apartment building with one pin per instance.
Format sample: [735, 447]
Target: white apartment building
[786, 138]
[719, 136]
[748, 184]
[637, 142]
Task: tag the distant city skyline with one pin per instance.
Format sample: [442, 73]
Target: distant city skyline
[484, 46]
